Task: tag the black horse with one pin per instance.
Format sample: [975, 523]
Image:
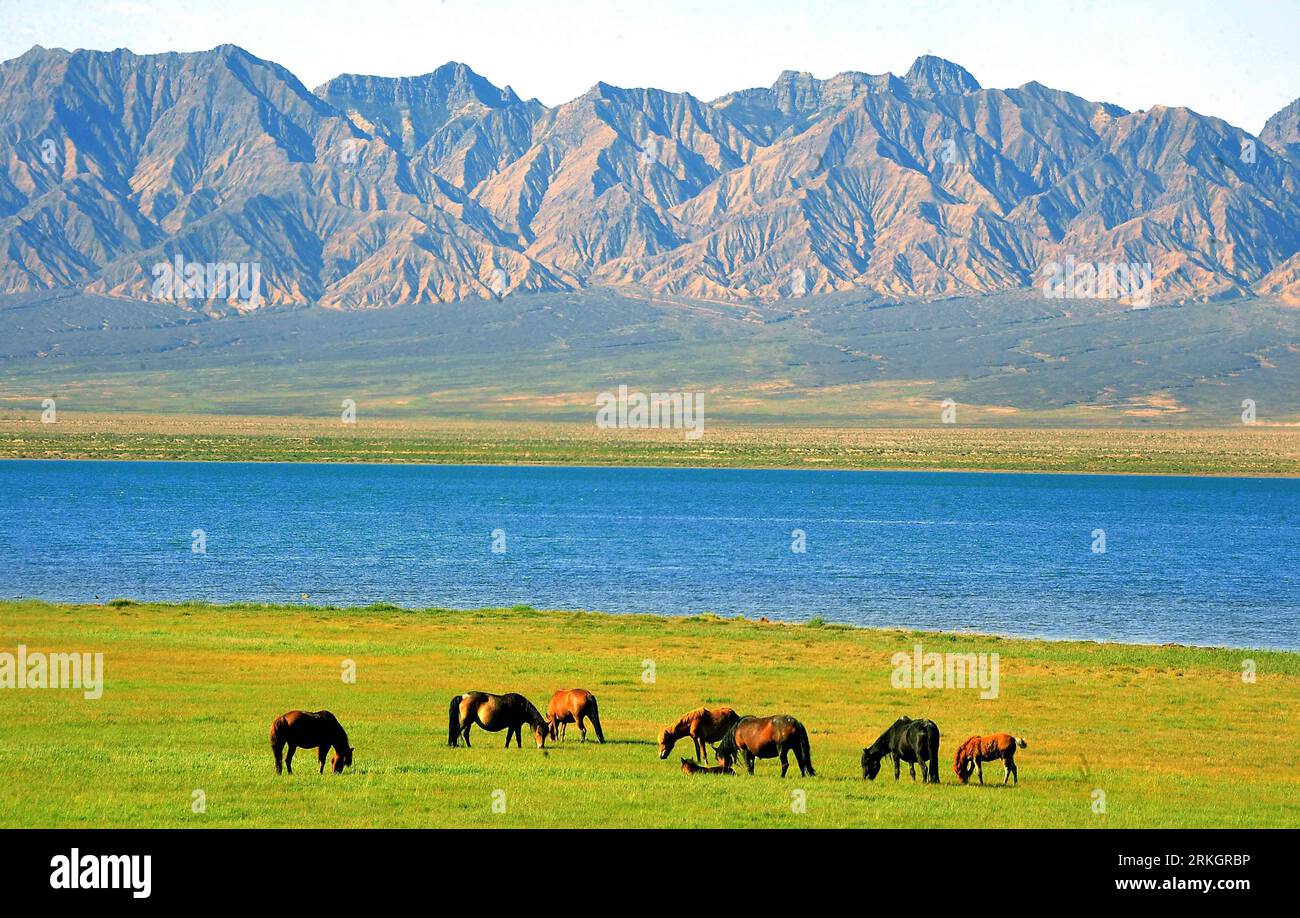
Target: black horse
[912, 741]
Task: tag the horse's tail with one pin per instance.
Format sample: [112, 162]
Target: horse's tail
[453, 724]
[595, 719]
[1020, 742]
[277, 741]
[805, 750]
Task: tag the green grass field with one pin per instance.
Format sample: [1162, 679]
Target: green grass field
[1172, 736]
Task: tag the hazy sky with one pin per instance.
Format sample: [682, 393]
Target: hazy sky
[1240, 61]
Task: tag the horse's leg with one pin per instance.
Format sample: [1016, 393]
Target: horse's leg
[912, 767]
[582, 726]
[464, 732]
[699, 744]
[925, 775]
[979, 766]
[510, 732]
[278, 749]
[897, 767]
[785, 760]
[1011, 763]
[749, 761]
[288, 757]
[322, 753]
[1006, 771]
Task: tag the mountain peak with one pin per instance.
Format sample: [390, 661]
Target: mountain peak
[934, 76]
[1282, 130]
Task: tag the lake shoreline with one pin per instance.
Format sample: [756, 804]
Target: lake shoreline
[1254, 451]
[383, 608]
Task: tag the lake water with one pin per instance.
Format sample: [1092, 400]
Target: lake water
[1191, 560]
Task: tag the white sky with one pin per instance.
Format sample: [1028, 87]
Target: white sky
[1240, 61]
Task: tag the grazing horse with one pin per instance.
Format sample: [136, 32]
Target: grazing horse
[767, 738]
[912, 741]
[573, 706]
[979, 749]
[690, 768]
[702, 726]
[495, 712]
[317, 730]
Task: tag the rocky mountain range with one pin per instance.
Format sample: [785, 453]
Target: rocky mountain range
[375, 191]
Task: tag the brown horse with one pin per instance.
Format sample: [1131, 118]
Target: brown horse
[767, 738]
[573, 706]
[690, 768]
[702, 726]
[317, 730]
[495, 712]
[979, 749]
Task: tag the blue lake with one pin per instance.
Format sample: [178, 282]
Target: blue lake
[1191, 560]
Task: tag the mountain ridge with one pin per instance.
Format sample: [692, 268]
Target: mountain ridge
[373, 191]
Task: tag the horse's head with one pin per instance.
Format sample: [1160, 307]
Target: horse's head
[541, 728]
[964, 764]
[666, 741]
[870, 764]
[341, 760]
[727, 752]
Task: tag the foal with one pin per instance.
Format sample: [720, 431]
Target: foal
[979, 749]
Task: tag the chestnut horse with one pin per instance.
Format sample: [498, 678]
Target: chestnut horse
[767, 738]
[702, 726]
[573, 706]
[690, 768]
[979, 749]
[493, 713]
[317, 730]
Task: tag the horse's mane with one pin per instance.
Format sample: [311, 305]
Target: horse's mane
[537, 715]
[728, 741]
[965, 752]
[684, 722]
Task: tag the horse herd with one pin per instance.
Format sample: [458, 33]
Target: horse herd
[734, 738]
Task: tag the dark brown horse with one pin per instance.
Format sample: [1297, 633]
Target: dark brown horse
[979, 749]
[317, 730]
[493, 713]
[702, 726]
[767, 738]
[573, 706]
[907, 740]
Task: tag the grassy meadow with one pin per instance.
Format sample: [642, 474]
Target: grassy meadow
[1238, 450]
[1171, 735]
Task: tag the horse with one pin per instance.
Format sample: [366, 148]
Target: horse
[690, 768]
[702, 726]
[980, 749]
[767, 738]
[911, 741]
[573, 706]
[317, 730]
[495, 712]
